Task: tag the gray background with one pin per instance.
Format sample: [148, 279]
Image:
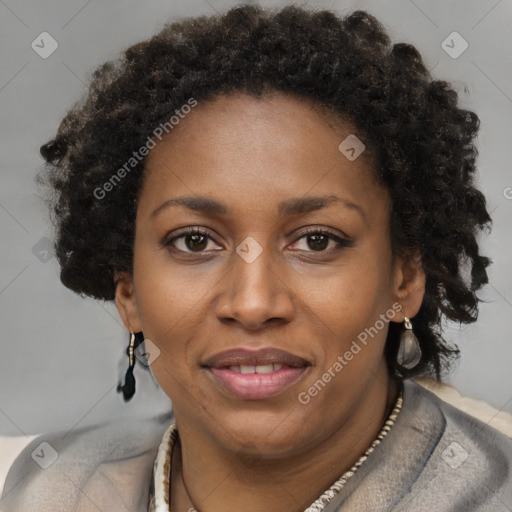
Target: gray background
[61, 355]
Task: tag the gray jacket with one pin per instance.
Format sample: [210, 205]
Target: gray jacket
[434, 459]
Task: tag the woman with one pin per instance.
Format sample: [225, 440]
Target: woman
[281, 205]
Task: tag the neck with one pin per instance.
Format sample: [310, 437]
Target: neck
[208, 481]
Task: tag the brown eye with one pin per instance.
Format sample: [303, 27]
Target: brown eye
[193, 240]
[317, 240]
[196, 242]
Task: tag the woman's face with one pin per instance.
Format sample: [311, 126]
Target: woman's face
[254, 280]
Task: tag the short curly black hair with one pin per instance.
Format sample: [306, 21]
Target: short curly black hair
[422, 143]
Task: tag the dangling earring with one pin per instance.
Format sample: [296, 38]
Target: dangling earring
[128, 388]
[409, 351]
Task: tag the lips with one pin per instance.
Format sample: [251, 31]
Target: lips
[253, 375]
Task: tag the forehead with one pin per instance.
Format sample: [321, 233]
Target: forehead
[257, 150]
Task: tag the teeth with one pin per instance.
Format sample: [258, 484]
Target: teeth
[267, 368]
[262, 368]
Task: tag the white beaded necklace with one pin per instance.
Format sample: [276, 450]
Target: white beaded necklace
[159, 488]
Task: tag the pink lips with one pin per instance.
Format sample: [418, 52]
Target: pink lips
[276, 370]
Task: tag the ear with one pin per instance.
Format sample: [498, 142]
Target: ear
[126, 301]
[409, 284]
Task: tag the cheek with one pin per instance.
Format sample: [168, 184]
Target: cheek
[169, 305]
[358, 295]
[168, 293]
[351, 350]
[353, 295]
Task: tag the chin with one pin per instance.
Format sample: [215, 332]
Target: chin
[265, 433]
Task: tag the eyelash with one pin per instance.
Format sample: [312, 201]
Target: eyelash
[342, 242]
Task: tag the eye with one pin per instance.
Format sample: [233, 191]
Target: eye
[193, 240]
[318, 240]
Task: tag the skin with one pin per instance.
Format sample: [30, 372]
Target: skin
[270, 454]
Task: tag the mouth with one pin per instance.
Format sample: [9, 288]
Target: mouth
[254, 375]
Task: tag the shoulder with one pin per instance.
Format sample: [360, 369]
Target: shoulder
[480, 409]
[102, 466]
[484, 441]
[471, 462]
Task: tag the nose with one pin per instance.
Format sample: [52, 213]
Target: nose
[254, 294]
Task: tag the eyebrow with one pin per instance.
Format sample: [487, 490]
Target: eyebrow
[289, 207]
